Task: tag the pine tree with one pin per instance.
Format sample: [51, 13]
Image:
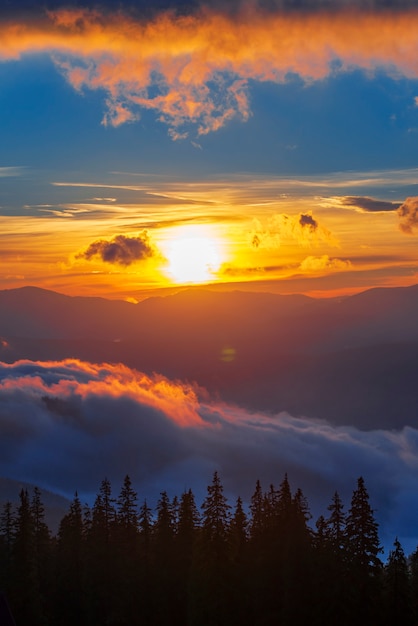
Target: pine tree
[210, 570]
[185, 538]
[42, 547]
[257, 521]
[362, 531]
[128, 572]
[397, 588]
[25, 593]
[165, 574]
[101, 556]
[7, 532]
[127, 508]
[146, 598]
[239, 597]
[238, 533]
[413, 576]
[336, 525]
[70, 578]
[363, 565]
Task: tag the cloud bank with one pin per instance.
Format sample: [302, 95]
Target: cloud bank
[196, 68]
[65, 425]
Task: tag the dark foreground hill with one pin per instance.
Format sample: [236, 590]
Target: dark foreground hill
[350, 360]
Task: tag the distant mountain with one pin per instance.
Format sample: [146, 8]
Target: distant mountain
[350, 360]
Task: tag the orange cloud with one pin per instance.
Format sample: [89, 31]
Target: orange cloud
[196, 68]
[314, 264]
[408, 216]
[71, 378]
[303, 228]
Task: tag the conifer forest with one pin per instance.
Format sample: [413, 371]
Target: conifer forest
[120, 563]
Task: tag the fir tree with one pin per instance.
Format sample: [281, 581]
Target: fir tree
[7, 533]
[25, 594]
[210, 571]
[397, 588]
[70, 579]
[363, 564]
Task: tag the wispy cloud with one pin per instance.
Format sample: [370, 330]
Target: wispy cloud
[364, 203]
[195, 69]
[11, 171]
[55, 414]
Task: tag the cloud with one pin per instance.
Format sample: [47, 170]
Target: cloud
[314, 264]
[408, 216]
[364, 203]
[67, 424]
[121, 250]
[6, 172]
[303, 228]
[196, 68]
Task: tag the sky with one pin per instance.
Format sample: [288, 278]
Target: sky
[269, 146]
[263, 146]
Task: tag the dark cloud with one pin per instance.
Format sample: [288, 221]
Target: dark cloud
[370, 204]
[121, 250]
[308, 221]
[408, 216]
[255, 241]
[65, 425]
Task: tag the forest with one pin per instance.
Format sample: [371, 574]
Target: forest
[119, 563]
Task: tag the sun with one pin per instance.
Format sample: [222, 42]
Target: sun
[193, 253]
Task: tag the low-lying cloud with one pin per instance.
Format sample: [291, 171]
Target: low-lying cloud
[196, 69]
[121, 250]
[65, 425]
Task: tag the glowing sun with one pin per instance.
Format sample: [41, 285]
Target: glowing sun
[193, 254]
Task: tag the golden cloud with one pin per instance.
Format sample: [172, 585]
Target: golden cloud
[196, 68]
[303, 228]
[314, 264]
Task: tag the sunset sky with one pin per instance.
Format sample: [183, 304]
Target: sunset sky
[255, 146]
[264, 146]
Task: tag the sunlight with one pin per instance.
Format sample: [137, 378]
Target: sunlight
[193, 253]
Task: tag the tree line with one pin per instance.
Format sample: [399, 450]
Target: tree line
[120, 564]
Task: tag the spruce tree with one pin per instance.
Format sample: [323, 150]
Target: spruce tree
[397, 588]
[362, 532]
[7, 533]
[165, 574]
[363, 564]
[70, 577]
[25, 593]
[42, 548]
[101, 563]
[210, 571]
[127, 554]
